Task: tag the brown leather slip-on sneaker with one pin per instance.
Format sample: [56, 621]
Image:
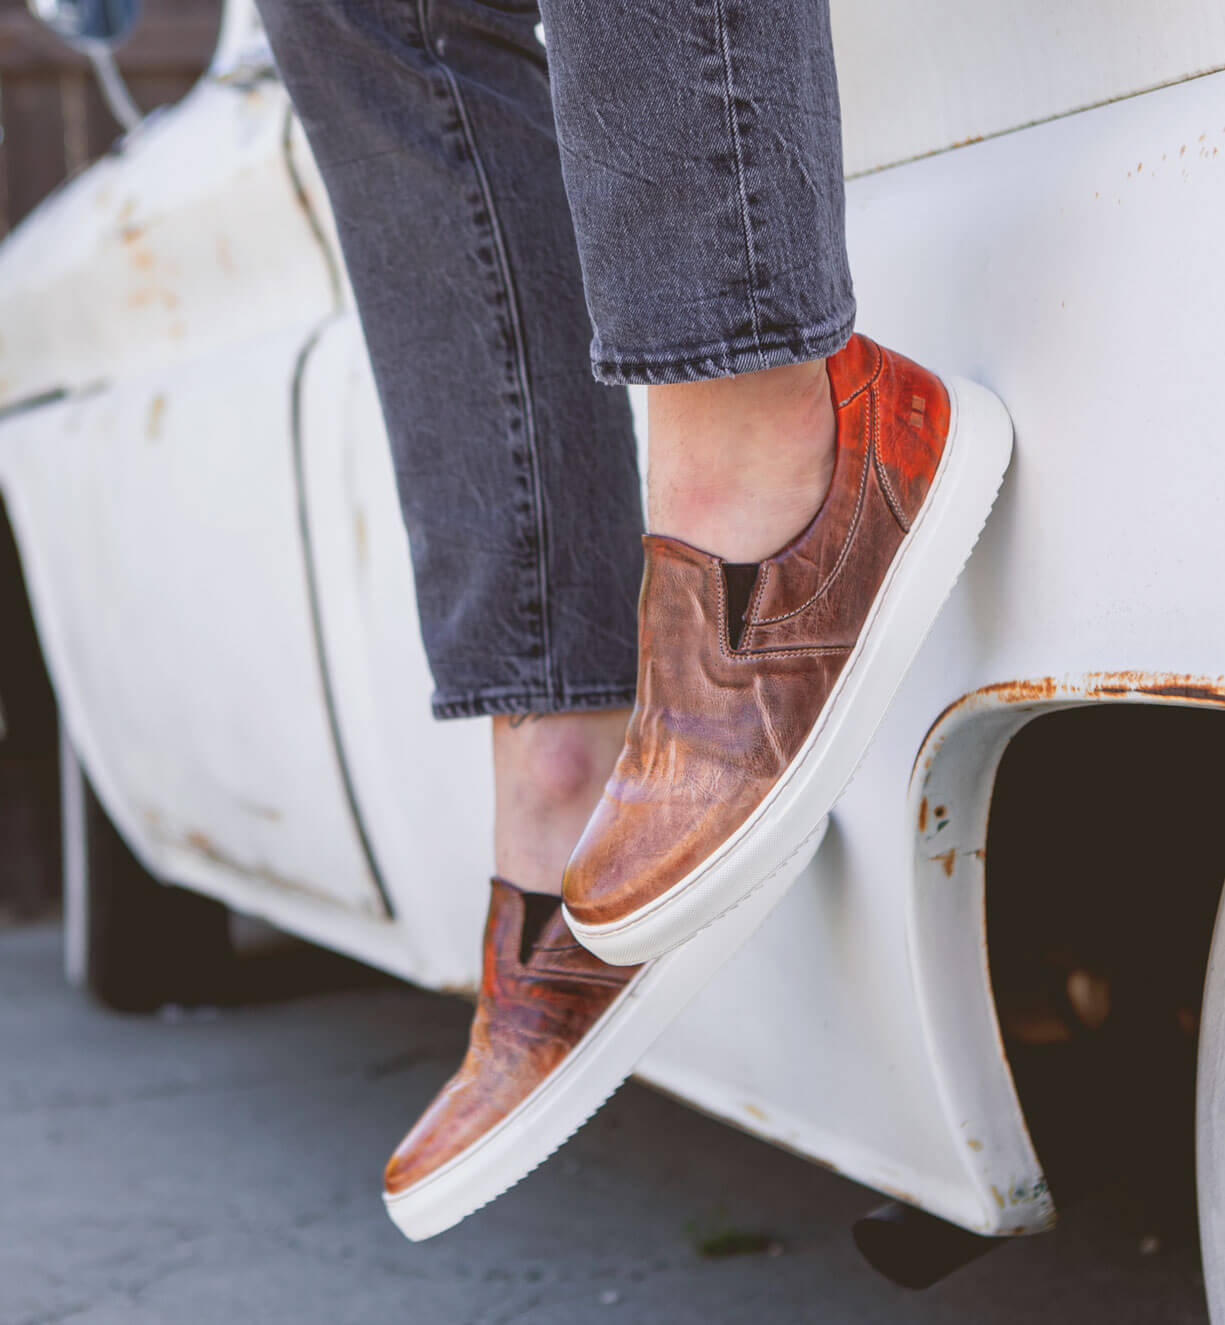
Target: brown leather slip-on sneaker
[556, 1031]
[749, 723]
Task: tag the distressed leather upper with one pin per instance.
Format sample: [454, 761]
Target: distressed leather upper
[530, 1014]
[714, 727]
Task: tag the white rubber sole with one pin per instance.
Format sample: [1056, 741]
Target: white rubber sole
[564, 1101]
[921, 577]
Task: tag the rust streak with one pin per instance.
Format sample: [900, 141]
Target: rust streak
[1097, 685]
[948, 859]
[923, 815]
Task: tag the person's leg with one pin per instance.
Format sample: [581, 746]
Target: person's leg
[431, 123]
[811, 496]
[548, 774]
[739, 464]
[703, 162]
[432, 126]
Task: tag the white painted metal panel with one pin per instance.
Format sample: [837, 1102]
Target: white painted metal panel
[167, 574]
[184, 243]
[425, 787]
[1088, 291]
[920, 78]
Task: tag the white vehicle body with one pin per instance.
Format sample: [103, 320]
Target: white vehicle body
[194, 461]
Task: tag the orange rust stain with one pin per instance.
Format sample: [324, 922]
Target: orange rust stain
[999, 1197]
[141, 259]
[1201, 689]
[941, 811]
[129, 234]
[754, 1112]
[225, 256]
[1209, 690]
[202, 843]
[948, 860]
[1022, 692]
[157, 409]
[974, 1145]
[923, 815]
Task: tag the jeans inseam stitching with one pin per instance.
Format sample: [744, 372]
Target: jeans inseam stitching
[750, 255]
[516, 322]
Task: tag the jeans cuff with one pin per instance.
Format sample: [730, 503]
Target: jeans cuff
[487, 703]
[747, 354]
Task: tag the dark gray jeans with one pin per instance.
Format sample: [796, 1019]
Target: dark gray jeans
[701, 217]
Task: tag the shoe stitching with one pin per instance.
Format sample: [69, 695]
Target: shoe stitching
[871, 381]
[844, 554]
[747, 655]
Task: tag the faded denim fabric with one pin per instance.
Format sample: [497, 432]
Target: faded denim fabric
[701, 151]
[701, 147]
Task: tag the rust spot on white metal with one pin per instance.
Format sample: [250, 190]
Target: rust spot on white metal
[157, 411]
[1134, 686]
[202, 845]
[225, 256]
[948, 859]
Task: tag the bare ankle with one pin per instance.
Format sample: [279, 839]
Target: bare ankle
[739, 466]
[549, 771]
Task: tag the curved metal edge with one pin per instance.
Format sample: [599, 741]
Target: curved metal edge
[949, 801]
[1210, 1125]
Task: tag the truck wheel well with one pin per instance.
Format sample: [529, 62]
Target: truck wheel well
[29, 763]
[1105, 861]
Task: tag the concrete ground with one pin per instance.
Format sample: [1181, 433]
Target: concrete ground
[223, 1168]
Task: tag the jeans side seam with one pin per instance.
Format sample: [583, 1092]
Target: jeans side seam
[750, 254]
[516, 323]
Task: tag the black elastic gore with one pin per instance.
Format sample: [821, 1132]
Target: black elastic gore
[739, 581]
[538, 910]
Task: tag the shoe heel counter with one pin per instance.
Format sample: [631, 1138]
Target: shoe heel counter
[912, 428]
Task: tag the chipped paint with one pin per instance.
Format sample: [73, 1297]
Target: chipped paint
[948, 859]
[201, 844]
[157, 411]
[1130, 686]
